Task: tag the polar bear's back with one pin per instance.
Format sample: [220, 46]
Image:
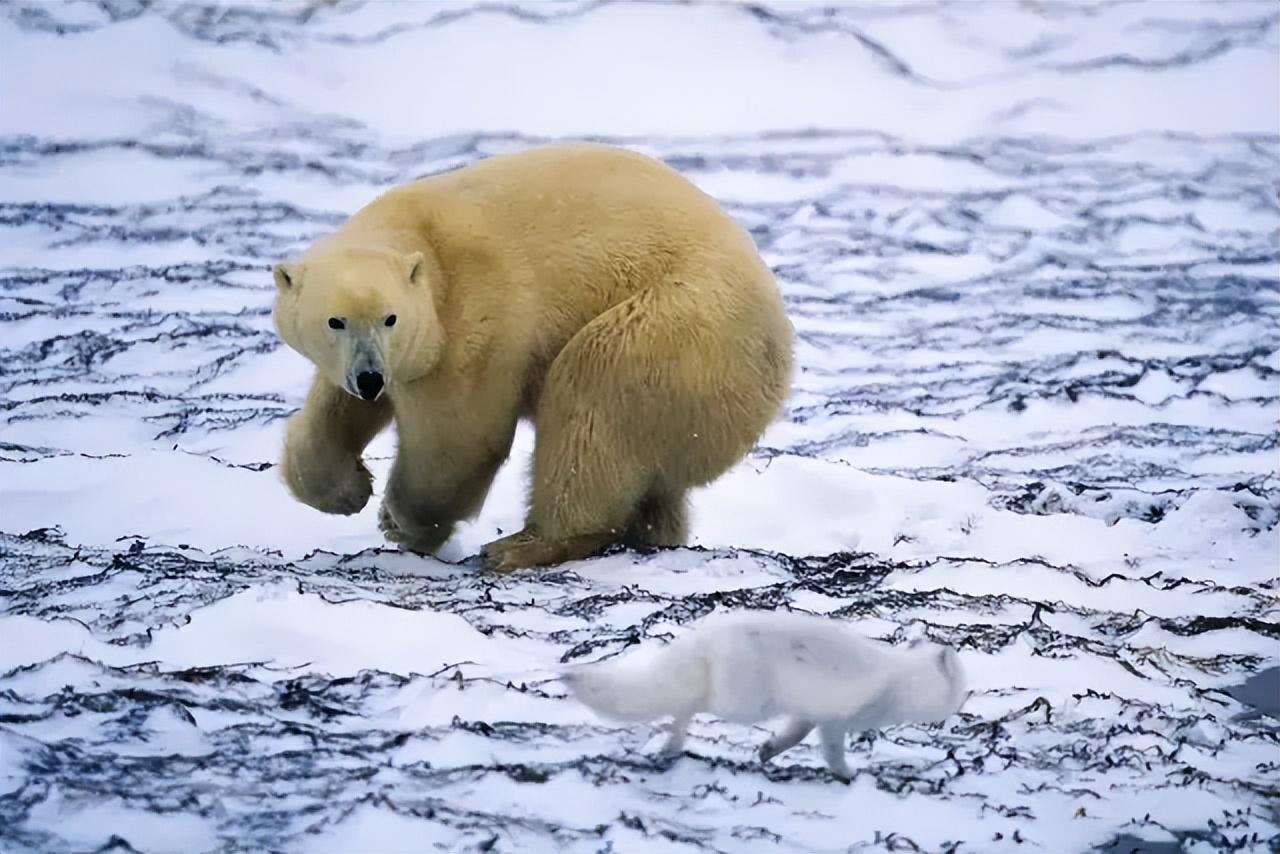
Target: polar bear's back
[586, 215]
[592, 185]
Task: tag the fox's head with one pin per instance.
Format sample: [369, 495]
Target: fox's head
[957, 693]
[935, 684]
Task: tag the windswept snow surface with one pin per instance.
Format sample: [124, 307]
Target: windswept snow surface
[1031, 252]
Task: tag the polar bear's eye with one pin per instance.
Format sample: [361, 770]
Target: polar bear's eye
[391, 320]
[335, 323]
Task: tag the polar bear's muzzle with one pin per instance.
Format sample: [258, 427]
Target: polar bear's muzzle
[369, 384]
[364, 377]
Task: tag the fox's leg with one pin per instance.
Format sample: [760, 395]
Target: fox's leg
[833, 737]
[675, 740]
[791, 736]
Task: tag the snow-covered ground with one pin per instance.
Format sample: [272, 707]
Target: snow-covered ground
[1032, 252]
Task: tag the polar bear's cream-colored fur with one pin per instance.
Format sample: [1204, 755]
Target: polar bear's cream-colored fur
[589, 288]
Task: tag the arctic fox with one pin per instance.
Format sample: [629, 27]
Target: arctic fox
[751, 666]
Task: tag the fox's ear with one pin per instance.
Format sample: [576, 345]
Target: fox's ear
[414, 263]
[947, 660]
[287, 276]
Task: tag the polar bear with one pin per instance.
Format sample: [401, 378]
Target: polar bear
[588, 288]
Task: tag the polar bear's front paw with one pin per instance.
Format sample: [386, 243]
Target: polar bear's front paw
[421, 539]
[387, 524]
[353, 493]
[343, 488]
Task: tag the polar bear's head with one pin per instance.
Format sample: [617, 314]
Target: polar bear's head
[364, 317]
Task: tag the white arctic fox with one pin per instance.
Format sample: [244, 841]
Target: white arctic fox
[751, 666]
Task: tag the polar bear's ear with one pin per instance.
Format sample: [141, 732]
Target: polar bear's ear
[286, 275]
[413, 262]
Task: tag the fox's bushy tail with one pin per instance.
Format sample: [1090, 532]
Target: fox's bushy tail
[669, 682]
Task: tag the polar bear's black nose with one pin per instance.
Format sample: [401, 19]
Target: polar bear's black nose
[369, 384]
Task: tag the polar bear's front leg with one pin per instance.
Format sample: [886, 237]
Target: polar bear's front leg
[441, 475]
[323, 442]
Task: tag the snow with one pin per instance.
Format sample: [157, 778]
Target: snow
[1030, 254]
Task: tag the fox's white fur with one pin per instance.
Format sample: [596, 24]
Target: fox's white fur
[751, 666]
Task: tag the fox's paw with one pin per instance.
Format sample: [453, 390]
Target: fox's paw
[664, 761]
